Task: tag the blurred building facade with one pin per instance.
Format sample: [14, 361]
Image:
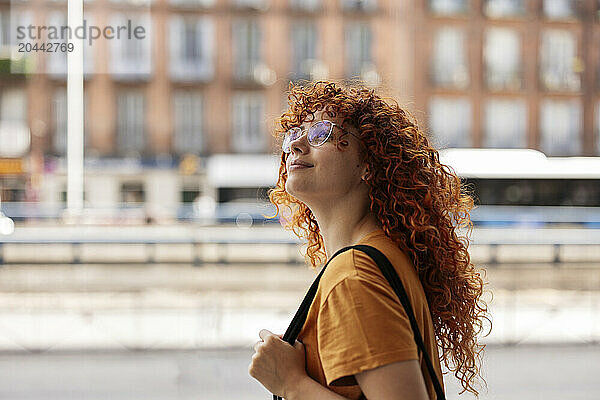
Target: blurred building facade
[202, 91]
[510, 73]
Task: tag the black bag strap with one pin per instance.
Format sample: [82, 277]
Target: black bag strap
[388, 271]
[293, 330]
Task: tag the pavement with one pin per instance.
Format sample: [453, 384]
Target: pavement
[523, 372]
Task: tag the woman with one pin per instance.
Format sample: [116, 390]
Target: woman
[356, 169]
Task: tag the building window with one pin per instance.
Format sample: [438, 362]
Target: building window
[18, 65]
[448, 7]
[257, 5]
[191, 48]
[249, 134]
[598, 71]
[56, 61]
[188, 110]
[130, 122]
[4, 29]
[133, 193]
[449, 66]
[59, 112]
[59, 108]
[559, 62]
[14, 132]
[246, 49]
[598, 128]
[559, 9]
[450, 121]
[130, 56]
[13, 105]
[502, 58]
[193, 3]
[359, 61]
[134, 3]
[305, 5]
[304, 49]
[560, 123]
[358, 5]
[505, 124]
[504, 8]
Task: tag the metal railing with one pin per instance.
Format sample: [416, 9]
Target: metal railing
[536, 245]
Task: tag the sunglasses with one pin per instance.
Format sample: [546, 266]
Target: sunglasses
[318, 134]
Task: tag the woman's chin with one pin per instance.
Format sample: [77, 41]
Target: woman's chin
[296, 190]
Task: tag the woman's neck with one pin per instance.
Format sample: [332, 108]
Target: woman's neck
[345, 226]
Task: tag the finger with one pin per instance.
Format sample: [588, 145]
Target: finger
[257, 345]
[264, 333]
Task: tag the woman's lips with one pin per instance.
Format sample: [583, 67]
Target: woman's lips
[298, 166]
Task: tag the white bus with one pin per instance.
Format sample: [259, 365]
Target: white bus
[525, 187]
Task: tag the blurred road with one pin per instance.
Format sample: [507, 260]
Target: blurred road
[169, 330]
[174, 331]
[177, 307]
[512, 373]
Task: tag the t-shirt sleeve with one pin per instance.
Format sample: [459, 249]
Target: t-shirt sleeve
[360, 326]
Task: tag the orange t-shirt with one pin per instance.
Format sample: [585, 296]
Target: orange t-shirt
[356, 322]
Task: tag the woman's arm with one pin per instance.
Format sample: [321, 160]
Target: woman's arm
[399, 380]
[309, 389]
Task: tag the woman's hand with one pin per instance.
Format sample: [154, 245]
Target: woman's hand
[276, 364]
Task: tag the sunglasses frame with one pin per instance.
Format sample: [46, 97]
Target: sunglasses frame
[304, 131]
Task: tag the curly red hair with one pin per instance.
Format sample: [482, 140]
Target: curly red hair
[419, 202]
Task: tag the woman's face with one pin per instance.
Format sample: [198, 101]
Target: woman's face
[336, 171]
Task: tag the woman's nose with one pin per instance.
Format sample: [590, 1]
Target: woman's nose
[300, 144]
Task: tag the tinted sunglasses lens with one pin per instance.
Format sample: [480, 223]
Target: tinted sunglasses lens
[290, 136]
[319, 132]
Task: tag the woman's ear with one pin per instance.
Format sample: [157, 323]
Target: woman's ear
[365, 172]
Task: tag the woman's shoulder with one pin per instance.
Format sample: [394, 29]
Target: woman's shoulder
[356, 265]
[339, 269]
